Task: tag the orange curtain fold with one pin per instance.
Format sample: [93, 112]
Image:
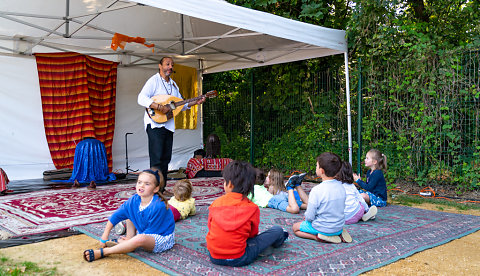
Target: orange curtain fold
[78, 100]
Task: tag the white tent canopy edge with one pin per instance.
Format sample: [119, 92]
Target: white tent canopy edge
[213, 36]
[210, 35]
[317, 41]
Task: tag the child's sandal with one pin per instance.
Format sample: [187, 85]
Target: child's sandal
[345, 236]
[91, 255]
[328, 239]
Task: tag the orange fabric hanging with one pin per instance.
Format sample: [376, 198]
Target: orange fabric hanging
[119, 40]
[78, 100]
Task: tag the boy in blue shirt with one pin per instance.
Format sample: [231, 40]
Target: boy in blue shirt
[324, 217]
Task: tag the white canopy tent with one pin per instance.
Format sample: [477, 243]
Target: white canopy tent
[209, 35]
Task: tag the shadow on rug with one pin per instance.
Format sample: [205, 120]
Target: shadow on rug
[397, 232]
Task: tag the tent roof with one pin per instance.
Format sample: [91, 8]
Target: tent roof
[211, 35]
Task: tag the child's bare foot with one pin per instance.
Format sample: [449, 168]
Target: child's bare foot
[111, 243]
[114, 242]
[91, 255]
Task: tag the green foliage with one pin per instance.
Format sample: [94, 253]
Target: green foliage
[297, 149]
[470, 176]
[292, 116]
[420, 95]
[233, 146]
[330, 14]
[420, 91]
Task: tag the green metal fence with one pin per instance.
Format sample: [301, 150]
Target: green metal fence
[426, 118]
[254, 121]
[426, 123]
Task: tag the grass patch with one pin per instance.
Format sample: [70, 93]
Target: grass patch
[11, 268]
[409, 200]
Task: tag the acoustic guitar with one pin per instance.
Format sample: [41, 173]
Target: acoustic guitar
[175, 105]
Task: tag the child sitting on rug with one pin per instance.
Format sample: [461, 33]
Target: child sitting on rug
[289, 197]
[150, 223]
[324, 218]
[182, 203]
[262, 195]
[233, 221]
[376, 186]
[356, 208]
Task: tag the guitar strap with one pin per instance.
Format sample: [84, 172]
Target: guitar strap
[178, 89]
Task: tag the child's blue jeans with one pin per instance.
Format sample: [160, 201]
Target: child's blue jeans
[280, 201]
[272, 237]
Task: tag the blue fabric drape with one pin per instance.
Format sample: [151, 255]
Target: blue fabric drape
[90, 162]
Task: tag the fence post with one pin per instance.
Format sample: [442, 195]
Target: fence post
[359, 120]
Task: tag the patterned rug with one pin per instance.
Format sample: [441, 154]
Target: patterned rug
[397, 232]
[52, 210]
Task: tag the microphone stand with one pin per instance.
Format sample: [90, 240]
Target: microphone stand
[127, 167]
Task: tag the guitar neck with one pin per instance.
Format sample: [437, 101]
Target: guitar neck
[188, 101]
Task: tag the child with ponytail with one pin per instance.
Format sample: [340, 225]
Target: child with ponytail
[150, 222]
[356, 208]
[376, 187]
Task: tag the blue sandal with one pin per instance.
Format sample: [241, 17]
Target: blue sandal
[91, 255]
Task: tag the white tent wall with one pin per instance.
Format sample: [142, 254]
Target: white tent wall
[24, 152]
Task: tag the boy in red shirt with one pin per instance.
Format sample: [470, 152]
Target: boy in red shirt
[233, 220]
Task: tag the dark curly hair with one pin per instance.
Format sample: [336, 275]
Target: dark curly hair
[241, 175]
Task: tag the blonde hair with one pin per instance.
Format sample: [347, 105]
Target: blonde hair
[380, 158]
[183, 189]
[276, 180]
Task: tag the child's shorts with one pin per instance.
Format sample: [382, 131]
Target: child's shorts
[176, 213]
[375, 200]
[280, 201]
[306, 226]
[162, 243]
[357, 217]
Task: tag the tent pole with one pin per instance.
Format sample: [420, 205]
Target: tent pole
[67, 23]
[252, 88]
[200, 92]
[359, 118]
[349, 115]
[183, 34]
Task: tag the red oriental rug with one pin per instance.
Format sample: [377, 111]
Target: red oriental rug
[53, 210]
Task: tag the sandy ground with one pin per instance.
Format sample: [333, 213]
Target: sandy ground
[458, 257]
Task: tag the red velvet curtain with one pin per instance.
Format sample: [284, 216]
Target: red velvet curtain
[78, 100]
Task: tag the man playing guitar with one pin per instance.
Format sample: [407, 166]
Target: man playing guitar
[160, 135]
